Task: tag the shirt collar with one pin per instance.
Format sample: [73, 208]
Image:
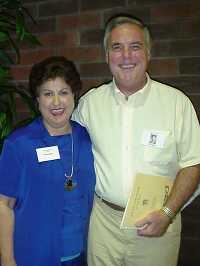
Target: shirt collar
[135, 99]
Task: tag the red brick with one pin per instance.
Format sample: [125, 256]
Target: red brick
[101, 4]
[43, 25]
[191, 28]
[195, 8]
[20, 73]
[67, 39]
[89, 37]
[188, 84]
[54, 8]
[32, 9]
[82, 53]
[163, 67]
[34, 56]
[90, 83]
[20, 104]
[138, 11]
[78, 21]
[177, 48]
[170, 11]
[190, 65]
[31, 1]
[95, 70]
[148, 2]
[161, 49]
[164, 30]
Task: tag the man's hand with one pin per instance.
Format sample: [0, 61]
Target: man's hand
[154, 224]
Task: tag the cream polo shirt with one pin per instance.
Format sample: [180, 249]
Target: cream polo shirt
[155, 131]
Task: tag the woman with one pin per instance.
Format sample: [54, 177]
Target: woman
[47, 176]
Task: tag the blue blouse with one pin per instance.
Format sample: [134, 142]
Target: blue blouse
[50, 222]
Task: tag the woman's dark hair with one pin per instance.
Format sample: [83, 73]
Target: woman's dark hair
[51, 68]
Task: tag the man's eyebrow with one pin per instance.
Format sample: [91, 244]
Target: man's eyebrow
[137, 42]
[115, 42]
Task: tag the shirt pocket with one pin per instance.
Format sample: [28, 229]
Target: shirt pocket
[161, 155]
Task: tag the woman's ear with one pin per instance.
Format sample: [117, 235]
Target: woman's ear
[106, 57]
[37, 103]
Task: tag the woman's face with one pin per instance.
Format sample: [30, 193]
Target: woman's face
[56, 103]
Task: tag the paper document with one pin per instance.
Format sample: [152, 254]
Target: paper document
[149, 193]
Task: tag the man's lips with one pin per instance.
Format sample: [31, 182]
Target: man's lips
[127, 66]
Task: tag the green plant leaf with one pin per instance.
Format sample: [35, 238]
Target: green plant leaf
[3, 36]
[20, 27]
[13, 30]
[10, 4]
[5, 58]
[32, 39]
[15, 47]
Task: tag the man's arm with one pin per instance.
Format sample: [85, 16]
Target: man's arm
[186, 182]
[6, 231]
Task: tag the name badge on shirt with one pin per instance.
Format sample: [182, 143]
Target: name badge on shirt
[48, 153]
[153, 138]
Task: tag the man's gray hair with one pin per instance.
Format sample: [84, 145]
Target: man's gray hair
[124, 19]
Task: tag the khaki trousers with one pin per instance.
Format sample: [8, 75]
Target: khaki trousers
[108, 245]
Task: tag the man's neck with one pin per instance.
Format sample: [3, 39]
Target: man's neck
[129, 90]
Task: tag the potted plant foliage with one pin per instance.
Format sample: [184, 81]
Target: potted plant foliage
[13, 30]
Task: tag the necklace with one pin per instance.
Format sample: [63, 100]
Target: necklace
[69, 183]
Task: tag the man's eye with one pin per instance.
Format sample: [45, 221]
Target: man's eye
[136, 46]
[116, 47]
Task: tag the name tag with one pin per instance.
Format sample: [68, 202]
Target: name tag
[153, 138]
[48, 153]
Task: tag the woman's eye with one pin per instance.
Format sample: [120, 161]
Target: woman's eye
[65, 92]
[47, 94]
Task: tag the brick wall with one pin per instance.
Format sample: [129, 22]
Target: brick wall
[74, 28]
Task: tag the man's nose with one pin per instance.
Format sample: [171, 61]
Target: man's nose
[126, 52]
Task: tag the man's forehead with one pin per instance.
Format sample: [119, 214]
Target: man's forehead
[126, 33]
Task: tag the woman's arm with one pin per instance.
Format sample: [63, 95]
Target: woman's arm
[6, 231]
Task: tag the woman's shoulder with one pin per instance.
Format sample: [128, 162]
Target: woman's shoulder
[80, 132]
[24, 132]
[78, 128]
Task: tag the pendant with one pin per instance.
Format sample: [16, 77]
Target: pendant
[69, 184]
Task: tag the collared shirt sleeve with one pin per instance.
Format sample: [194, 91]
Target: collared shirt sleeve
[188, 136]
[78, 114]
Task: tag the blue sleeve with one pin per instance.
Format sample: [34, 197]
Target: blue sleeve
[9, 170]
[88, 162]
[91, 176]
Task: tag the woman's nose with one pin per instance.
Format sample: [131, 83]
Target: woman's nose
[56, 99]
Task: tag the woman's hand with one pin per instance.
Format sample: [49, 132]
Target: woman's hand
[8, 262]
[7, 220]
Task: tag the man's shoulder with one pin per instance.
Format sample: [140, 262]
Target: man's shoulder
[99, 91]
[167, 90]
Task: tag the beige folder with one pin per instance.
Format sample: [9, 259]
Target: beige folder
[149, 193]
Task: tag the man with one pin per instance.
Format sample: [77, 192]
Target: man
[121, 118]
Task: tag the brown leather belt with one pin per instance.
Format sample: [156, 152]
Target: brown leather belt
[111, 205]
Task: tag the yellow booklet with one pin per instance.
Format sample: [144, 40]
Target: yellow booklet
[149, 193]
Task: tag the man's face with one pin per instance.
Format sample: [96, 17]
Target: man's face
[127, 57]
